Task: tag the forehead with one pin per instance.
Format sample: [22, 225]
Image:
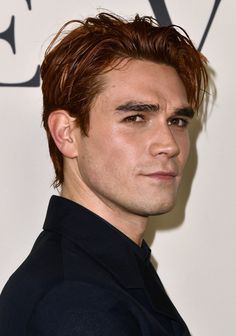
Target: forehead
[144, 81]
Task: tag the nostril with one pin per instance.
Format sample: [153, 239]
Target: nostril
[165, 146]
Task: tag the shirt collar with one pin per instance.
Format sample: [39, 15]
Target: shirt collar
[97, 237]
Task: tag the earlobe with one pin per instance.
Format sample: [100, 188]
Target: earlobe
[61, 126]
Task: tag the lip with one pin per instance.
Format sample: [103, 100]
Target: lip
[162, 175]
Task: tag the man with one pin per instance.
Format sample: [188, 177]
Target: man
[118, 97]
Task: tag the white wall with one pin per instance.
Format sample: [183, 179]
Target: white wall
[195, 244]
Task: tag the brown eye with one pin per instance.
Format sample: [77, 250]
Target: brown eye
[135, 118]
[179, 122]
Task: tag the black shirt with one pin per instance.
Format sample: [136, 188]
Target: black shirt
[84, 277]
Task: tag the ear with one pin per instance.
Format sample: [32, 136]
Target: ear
[62, 126]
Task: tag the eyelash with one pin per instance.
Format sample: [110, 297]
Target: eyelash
[132, 118]
[178, 122]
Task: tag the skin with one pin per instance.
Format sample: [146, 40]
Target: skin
[130, 165]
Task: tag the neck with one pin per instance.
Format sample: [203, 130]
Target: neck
[132, 225]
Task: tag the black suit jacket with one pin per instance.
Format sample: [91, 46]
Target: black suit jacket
[85, 278]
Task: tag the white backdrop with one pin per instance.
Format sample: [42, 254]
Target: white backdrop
[194, 245]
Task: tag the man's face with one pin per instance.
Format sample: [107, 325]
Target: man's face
[138, 142]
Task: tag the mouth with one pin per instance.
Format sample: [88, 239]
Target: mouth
[163, 175]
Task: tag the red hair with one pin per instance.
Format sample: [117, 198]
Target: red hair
[72, 66]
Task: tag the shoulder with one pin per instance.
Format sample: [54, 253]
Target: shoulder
[40, 271]
[75, 308]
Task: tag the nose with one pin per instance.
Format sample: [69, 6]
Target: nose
[163, 142]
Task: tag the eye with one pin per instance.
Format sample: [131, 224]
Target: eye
[179, 122]
[136, 118]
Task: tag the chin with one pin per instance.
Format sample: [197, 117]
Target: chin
[162, 210]
[157, 203]
[156, 209]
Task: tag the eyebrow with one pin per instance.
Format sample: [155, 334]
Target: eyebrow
[184, 112]
[142, 107]
[138, 107]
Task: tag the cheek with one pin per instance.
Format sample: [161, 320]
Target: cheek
[184, 146]
[106, 152]
[118, 147]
